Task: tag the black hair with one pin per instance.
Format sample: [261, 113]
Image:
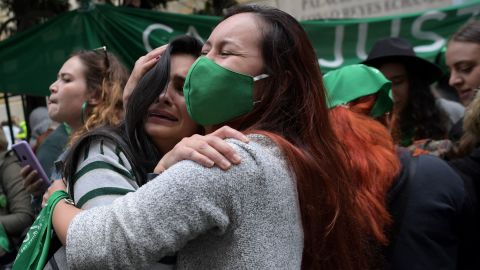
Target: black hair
[421, 118]
[130, 135]
[150, 86]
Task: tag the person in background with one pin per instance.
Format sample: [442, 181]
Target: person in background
[466, 161]
[48, 152]
[22, 135]
[42, 137]
[416, 115]
[470, 142]
[446, 96]
[428, 206]
[443, 87]
[6, 131]
[39, 123]
[288, 203]
[16, 213]
[463, 60]
[86, 94]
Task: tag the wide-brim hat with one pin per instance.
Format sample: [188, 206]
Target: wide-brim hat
[392, 49]
[349, 83]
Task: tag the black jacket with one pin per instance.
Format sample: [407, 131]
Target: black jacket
[427, 203]
[469, 169]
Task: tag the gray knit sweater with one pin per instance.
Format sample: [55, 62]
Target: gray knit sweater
[245, 218]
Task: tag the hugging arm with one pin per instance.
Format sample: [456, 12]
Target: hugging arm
[207, 150]
[158, 219]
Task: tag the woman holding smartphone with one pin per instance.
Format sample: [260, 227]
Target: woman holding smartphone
[86, 94]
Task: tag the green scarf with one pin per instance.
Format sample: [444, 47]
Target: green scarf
[34, 250]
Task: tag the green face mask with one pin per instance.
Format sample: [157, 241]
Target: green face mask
[214, 94]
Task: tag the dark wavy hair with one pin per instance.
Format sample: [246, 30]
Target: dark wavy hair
[420, 118]
[130, 135]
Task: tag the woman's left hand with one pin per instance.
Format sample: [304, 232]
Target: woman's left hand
[142, 66]
[206, 150]
[56, 185]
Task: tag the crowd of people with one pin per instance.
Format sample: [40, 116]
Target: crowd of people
[240, 154]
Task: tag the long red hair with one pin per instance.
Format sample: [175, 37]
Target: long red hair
[293, 113]
[373, 159]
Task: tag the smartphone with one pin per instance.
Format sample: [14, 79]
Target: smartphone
[26, 156]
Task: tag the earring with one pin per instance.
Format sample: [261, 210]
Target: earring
[84, 111]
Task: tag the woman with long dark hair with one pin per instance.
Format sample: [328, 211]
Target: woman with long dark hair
[288, 204]
[415, 115]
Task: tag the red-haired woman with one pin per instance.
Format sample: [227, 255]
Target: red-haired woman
[426, 197]
[288, 205]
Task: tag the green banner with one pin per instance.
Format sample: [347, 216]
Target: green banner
[30, 60]
[343, 42]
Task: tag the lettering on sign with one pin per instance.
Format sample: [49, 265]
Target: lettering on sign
[336, 9]
[416, 30]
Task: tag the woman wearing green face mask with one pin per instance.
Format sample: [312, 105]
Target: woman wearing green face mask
[286, 205]
[105, 164]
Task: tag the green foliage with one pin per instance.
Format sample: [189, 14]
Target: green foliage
[216, 7]
[145, 3]
[160, 2]
[22, 14]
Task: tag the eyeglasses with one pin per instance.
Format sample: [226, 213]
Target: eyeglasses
[104, 49]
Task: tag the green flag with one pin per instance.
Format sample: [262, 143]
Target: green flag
[30, 60]
[34, 250]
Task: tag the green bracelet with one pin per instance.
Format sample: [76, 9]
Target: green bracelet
[56, 197]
